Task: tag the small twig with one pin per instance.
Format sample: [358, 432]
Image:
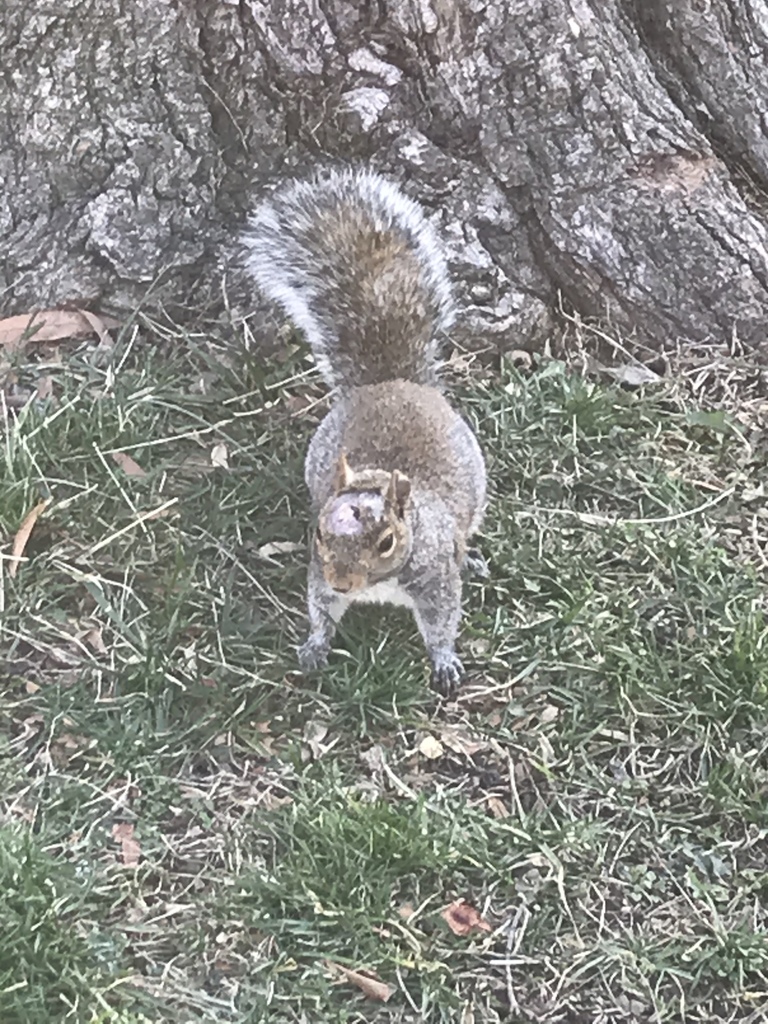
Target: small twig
[516, 929]
[593, 519]
[521, 675]
[132, 526]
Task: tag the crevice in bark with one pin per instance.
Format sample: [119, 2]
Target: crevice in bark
[706, 58]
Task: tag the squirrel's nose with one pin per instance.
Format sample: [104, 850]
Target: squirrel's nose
[344, 582]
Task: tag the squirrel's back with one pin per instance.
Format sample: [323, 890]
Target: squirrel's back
[407, 427]
[357, 267]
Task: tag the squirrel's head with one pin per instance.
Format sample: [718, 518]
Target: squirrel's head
[363, 535]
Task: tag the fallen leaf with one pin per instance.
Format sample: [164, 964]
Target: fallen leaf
[51, 325]
[498, 807]
[314, 734]
[263, 737]
[99, 325]
[31, 687]
[122, 832]
[406, 911]
[220, 456]
[461, 742]
[23, 534]
[374, 758]
[66, 745]
[128, 465]
[368, 983]
[462, 918]
[549, 713]
[431, 748]
[95, 640]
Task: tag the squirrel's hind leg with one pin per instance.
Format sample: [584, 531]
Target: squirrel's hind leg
[325, 609]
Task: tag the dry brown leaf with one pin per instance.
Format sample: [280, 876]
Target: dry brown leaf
[498, 807]
[406, 910]
[130, 851]
[264, 737]
[460, 741]
[23, 534]
[69, 741]
[128, 465]
[462, 918]
[431, 748]
[31, 687]
[99, 325]
[368, 984]
[51, 325]
[95, 640]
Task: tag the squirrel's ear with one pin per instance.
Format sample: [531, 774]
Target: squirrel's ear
[344, 475]
[398, 491]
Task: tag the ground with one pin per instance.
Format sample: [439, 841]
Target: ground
[191, 831]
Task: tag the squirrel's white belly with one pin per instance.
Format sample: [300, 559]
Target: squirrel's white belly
[384, 592]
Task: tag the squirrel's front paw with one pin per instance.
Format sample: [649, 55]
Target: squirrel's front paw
[447, 672]
[475, 564]
[313, 654]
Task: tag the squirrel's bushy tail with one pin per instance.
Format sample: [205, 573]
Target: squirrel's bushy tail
[356, 266]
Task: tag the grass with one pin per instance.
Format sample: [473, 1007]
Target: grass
[597, 793]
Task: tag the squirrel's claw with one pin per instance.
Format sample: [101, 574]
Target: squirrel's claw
[475, 564]
[313, 654]
[447, 672]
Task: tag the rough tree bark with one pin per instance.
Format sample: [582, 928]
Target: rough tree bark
[612, 151]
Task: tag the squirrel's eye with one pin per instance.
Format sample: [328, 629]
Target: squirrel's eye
[387, 544]
[318, 535]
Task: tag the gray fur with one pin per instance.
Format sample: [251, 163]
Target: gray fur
[357, 267]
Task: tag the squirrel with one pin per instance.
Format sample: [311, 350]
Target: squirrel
[396, 477]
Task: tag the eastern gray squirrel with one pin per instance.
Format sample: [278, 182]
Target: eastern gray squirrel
[396, 476]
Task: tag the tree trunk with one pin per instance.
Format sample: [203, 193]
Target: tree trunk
[607, 151]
